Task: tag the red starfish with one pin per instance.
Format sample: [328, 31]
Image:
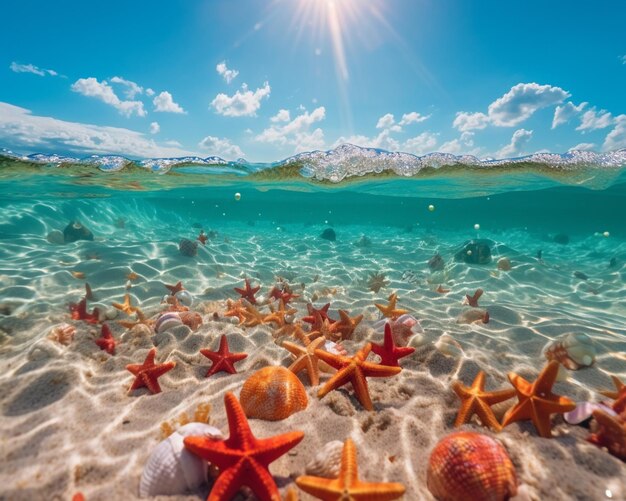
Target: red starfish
[242, 458]
[312, 318]
[223, 360]
[278, 294]
[175, 288]
[148, 373]
[249, 292]
[79, 312]
[388, 351]
[473, 300]
[106, 341]
[202, 238]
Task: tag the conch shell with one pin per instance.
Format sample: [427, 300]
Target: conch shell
[573, 350]
[327, 462]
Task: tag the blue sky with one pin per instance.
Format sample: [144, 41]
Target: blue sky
[265, 79]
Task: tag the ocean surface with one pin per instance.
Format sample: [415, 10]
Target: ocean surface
[560, 220]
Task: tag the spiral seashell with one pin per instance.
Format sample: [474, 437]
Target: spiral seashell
[327, 462]
[184, 297]
[191, 319]
[573, 350]
[584, 410]
[273, 393]
[62, 333]
[469, 465]
[188, 247]
[167, 321]
[171, 469]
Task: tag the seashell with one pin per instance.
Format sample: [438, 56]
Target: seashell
[573, 350]
[335, 348]
[191, 319]
[44, 349]
[468, 465]
[129, 284]
[62, 333]
[184, 297]
[167, 321]
[273, 393]
[171, 469]
[402, 329]
[504, 264]
[447, 345]
[327, 461]
[583, 411]
[472, 315]
[188, 247]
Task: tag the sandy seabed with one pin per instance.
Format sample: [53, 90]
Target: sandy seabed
[69, 423]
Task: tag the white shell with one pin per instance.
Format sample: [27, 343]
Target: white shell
[447, 345]
[171, 469]
[327, 461]
[167, 321]
[184, 297]
[573, 350]
[471, 315]
[129, 284]
[583, 411]
[111, 313]
[44, 349]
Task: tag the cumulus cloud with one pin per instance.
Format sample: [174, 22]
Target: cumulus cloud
[413, 118]
[514, 107]
[583, 147]
[244, 103]
[31, 68]
[90, 87]
[155, 128]
[421, 144]
[386, 121]
[616, 139]
[149, 92]
[221, 147]
[281, 116]
[297, 132]
[563, 114]
[21, 129]
[593, 119]
[519, 140]
[227, 75]
[132, 89]
[165, 102]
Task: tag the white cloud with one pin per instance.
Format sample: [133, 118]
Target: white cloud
[592, 120]
[19, 128]
[421, 144]
[519, 140]
[165, 102]
[386, 121]
[227, 75]
[413, 118]
[563, 114]
[583, 147]
[132, 89]
[221, 147]
[90, 87]
[244, 103]
[149, 92]
[465, 121]
[616, 139]
[31, 68]
[281, 116]
[517, 105]
[155, 128]
[297, 132]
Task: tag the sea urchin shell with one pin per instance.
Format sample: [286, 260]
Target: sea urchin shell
[273, 393]
[469, 465]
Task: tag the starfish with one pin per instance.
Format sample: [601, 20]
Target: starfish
[148, 373]
[473, 300]
[223, 360]
[325, 329]
[174, 304]
[175, 288]
[610, 433]
[348, 486]
[242, 458]
[354, 369]
[283, 295]
[441, 290]
[248, 292]
[202, 238]
[252, 316]
[536, 401]
[618, 388]
[141, 319]
[291, 330]
[306, 359]
[79, 312]
[344, 327]
[475, 400]
[106, 341]
[235, 309]
[388, 352]
[132, 276]
[313, 319]
[126, 307]
[278, 316]
[390, 311]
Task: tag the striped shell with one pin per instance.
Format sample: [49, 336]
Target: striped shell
[327, 462]
[574, 351]
[171, 469]
[469, 465]
[273, 393]
[188, 247]
[167, 321]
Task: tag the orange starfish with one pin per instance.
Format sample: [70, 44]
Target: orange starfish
[132, 276]
[235, 309]
[348, 486]
[345, 326]
[355, 370]
[223, 360]
[248, 292]
[242, 458]
[278, 316]
[126, 307]
[306, 359]
[473, 300]
[536, 401]
[390, 311]
[141, 319]
[148, 373]
[475, 400]
[175, 288]
[315, 320]
[610, 433]
[325, 329]
[251, 316]
[618, 388]
[292, 330]
[442, 290]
